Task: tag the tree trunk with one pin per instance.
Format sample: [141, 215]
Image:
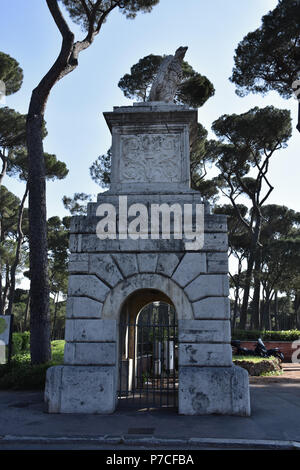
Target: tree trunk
[17, 256]
[251, 260]
[276, 309]
[5, 290]
[235, 306]
[26, 312]
[39, 288]
[4, 166]
[244, 309]
[256, 296]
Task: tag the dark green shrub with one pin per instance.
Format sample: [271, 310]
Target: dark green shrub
[20, 374]
[20, 343]
[23, 376]
[253, 335]
[17, 343]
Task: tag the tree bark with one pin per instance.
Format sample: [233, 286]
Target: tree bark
[5, 292]
[276, 310]
[17, 256]
[26, 312]
[4, 166]
[256, 296]
[251, 260]
[39, 288]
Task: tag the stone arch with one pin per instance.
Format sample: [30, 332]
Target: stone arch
[118, 295]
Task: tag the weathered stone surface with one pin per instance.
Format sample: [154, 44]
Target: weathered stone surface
[87, 285]
[214, 354]
[91, 330]
[78, 263]
[83, 307]
[104, 273]
[215, 241]
[90, 353]
[168, 77]
[217, 263]
[213, 223]
[73, 389]
[75, 243]
[191, 265]
[89, 243]
[127, 263]
[214, 390]
[212, 307]
[53, 389]
[199, 331]
[105, 268]
[150, 149]
[147, 262]
[167, 263]
[117, 296]
[208, 285]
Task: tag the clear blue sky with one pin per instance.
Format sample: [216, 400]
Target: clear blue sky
[77, 132]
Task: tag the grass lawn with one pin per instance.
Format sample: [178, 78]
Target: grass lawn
[254, 359]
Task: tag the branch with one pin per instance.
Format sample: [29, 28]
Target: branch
[58, 18]
[93, 29]
[232, 199]
[4, 166]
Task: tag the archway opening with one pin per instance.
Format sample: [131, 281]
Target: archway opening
[148, 352]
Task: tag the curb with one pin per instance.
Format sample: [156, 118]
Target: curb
[199, 443]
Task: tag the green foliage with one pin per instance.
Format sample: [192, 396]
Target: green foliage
[21, 375]
[9, 205]
[81, 11]
[20, 343]
[10, 73]
[269, 57]
[258, 366]
[57, 347]
[58, 252]
[18, 165]
[253, 335]
[12, 128]
[137, 84]
[254, 359]
[194, 90]
[100, 170]
[77, 205]
[255, 132]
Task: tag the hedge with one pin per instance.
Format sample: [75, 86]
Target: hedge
[266, 335]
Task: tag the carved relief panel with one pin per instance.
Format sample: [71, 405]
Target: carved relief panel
[150, 158]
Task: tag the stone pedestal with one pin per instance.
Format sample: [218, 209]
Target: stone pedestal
[150, 165]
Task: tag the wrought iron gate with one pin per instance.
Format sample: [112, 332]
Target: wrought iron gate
[148, 372]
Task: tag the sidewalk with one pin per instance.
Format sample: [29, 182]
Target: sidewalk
[274, 423]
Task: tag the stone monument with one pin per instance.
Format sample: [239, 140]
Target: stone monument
[150, 168]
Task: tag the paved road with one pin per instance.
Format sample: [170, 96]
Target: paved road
[25, 424]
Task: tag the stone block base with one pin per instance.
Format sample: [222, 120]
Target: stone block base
[214, 390]
[81, 389]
